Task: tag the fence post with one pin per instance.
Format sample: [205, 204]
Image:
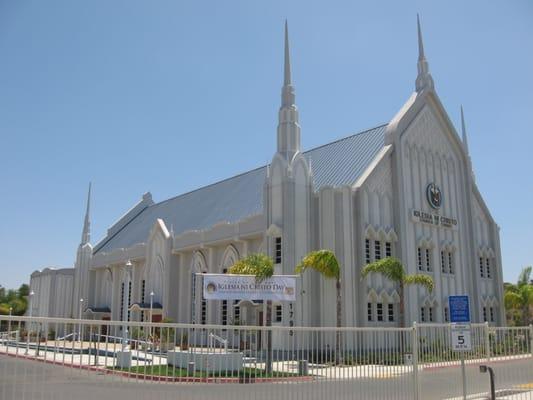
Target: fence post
[531, 339]
[487, 341]
[414, 345]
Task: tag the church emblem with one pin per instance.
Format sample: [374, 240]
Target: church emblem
[211, 288]
[434, 196]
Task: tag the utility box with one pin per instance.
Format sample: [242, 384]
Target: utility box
[124, 359]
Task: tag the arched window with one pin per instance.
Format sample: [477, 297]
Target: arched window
[107, 288]
[154, 278]
[229, 258]
[198, 303]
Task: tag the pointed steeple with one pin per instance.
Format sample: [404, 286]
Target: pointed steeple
[287, 65]
[288, 127]
[86, 234]
[424, 79]
[287, 93]
[463, 131]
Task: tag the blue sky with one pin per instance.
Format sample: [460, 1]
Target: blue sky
[168, 96]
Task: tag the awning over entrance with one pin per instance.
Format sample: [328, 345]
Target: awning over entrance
[157, 308]
[99, 311]
[249, 303]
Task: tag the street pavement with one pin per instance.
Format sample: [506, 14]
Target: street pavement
[29, 380]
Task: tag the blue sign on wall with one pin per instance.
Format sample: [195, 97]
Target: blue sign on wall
[459, 309]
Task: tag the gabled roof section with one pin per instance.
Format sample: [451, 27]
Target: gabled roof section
[343, 161]
[334, 164]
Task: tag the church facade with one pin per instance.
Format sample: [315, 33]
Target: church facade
[404, 189]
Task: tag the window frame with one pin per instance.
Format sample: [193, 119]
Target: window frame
[379, 312]
[368, 259]
[451, 263]
[377, 250]
[278, 313]
[429, 267]
[390, 312]
[278, 250]
[388, 249]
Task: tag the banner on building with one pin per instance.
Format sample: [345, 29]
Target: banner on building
[247, 287]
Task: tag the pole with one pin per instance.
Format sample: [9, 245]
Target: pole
[414, 349]
[151, 310]
[79, 316]
[492, 388]
[126, 306]
[463, 374]
[9, 323]
[531, 339]
[29, 324]
[268, 366]
[484, 369]
[487, 340]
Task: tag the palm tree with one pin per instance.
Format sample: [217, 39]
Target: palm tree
[520, 296]
[325, 262]
[393, 269]
[258, 264]
[262, 267]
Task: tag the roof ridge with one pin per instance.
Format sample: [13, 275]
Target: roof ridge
[263, 166]
[208, 185]
[346, 137]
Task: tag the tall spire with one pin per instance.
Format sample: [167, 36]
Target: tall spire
[424, 79]
[463, 129]
[287, 93]
[86, 234]
[287, 72]
[288, 127]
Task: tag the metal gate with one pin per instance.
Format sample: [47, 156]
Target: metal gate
[47, 358]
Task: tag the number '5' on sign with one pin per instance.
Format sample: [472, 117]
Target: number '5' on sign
[461, 337]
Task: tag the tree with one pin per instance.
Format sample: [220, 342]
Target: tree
[393, 269]
[24, 290]
[15, 299]
[258, 264]
[262, 267]
[325, 262]
[519, 297]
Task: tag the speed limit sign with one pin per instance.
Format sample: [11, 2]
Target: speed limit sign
[461, 337]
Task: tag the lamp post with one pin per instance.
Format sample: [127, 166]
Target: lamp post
[9, 324]
[151, 310]
[29, 324]
[127, 269]
[79, 316]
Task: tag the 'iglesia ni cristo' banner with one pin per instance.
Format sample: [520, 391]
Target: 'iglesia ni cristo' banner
[246, 287]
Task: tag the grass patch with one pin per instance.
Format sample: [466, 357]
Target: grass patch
[169, 370]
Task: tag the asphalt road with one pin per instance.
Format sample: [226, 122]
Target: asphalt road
[29, 380]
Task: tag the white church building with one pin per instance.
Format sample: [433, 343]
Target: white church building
[403, 189]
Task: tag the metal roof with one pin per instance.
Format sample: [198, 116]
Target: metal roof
[233, 199]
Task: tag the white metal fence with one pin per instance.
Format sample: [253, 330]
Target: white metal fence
[47, 358]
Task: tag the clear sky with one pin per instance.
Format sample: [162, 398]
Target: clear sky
[167, 96]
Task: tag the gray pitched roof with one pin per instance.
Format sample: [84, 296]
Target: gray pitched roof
[334, 164]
